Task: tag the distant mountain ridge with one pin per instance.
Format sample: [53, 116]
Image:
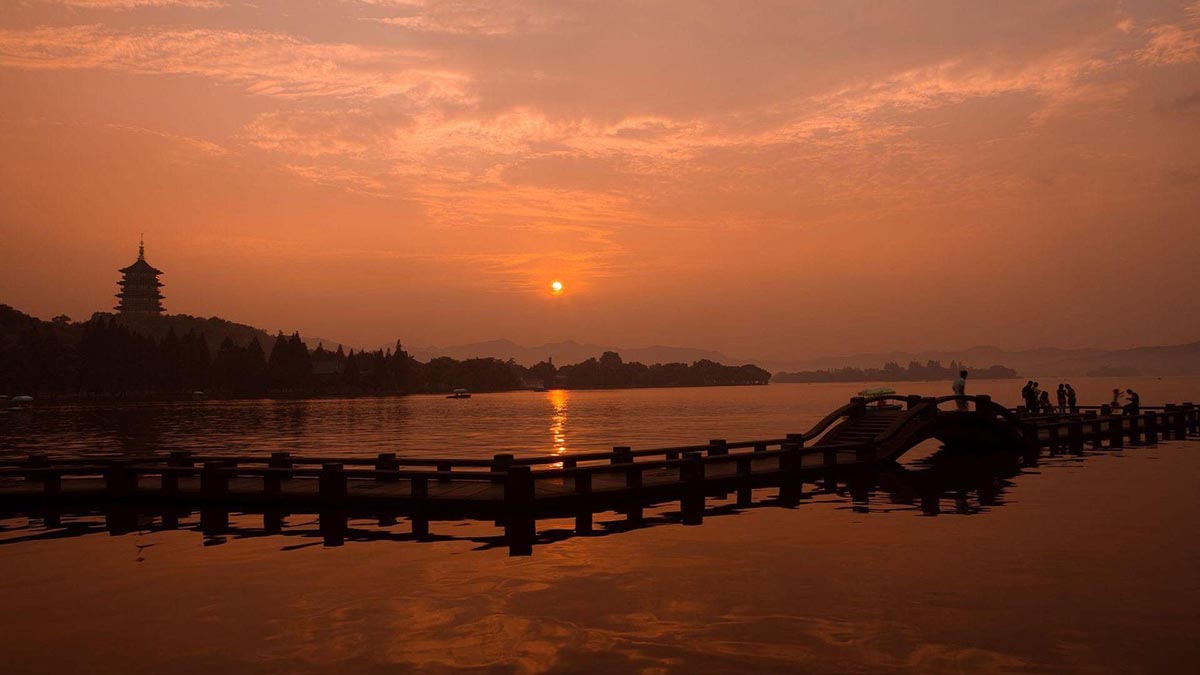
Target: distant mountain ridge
[569, 351]
[1181, 359]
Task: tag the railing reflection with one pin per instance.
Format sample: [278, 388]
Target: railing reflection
[957, 482]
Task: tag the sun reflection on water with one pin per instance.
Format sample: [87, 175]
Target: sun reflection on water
[558, 421]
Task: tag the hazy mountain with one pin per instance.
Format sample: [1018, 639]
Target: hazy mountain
[570, 351]
[1162, 360]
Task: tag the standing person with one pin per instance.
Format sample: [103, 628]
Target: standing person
[1027, 397]
[1135, 402]
[1062, 397]
[1036, 395]
[1072, 402]
[1116, 401]
[1044, 400]
[960, 389]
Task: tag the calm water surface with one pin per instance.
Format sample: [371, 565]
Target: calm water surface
[1081, 564]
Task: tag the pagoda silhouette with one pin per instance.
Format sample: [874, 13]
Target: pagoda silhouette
[139, 287]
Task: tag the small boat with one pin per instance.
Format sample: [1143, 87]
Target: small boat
[460, 393]
[881, 404]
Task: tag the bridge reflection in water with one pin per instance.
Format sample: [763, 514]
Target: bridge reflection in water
[948, 481]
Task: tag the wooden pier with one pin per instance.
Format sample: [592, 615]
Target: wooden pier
[517, 491]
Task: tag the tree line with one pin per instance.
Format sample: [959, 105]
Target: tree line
[103, 358]
[893, 372]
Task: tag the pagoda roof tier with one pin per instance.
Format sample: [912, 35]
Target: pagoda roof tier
[140, 266]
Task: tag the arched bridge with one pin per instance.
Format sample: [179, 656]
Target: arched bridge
[891, 425]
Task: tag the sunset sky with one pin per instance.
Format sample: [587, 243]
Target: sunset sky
[770, 179]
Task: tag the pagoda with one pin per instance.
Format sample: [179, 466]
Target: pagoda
[139, 287]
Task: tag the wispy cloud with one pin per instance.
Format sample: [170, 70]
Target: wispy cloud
[473, 17]
[264, 63]
[1174, 43]
[135, 4]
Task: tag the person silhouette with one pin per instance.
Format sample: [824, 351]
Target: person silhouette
[1135, 402]
[1028, 397]
[1072, 402]
[1062, 397]
[960, 389]
[1044, 402]
[1116, 400]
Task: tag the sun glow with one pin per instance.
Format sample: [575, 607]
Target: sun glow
[556, 287]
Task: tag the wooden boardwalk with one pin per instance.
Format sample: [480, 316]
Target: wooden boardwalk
[516, 491]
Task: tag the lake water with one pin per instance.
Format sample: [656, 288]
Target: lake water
[1080, 564]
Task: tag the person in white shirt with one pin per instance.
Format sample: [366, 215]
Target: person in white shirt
[960, 389]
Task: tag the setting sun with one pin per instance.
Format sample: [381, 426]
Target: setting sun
[556, 287]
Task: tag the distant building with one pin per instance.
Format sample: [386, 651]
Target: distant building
[139, 287]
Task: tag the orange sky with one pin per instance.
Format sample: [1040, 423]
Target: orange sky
[772, 179]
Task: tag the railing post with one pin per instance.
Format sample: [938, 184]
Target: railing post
[860, 406]
[691, 474]
[178, 459]
[386, 461]
[1097, 431]
[865, 453]
[1105, 410]
[279, 468]
[717, 447]
[790, 484]
[519, 526]
[583, 482]
[501, 464]
[332, 485]
[622, 454]
[1075, 437]
[583, 514]
[789, 458]
[633, 483]
[119, 479]
[214, 481]
[932, 411]
[1151, 419]
[829, 457]
[52, 484]
[1193, 419]
[444, 467]
[419, 486]
[36, 460]
[1054, 440]
[912, 400]
[983, 403]
[744, 471]
[1116, 432]
[1179, 432]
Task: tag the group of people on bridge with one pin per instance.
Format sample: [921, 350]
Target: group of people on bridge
[1132, 404]
[1037, 400]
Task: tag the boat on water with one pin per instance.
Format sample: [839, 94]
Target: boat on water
[460, 393]
[881, 391]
